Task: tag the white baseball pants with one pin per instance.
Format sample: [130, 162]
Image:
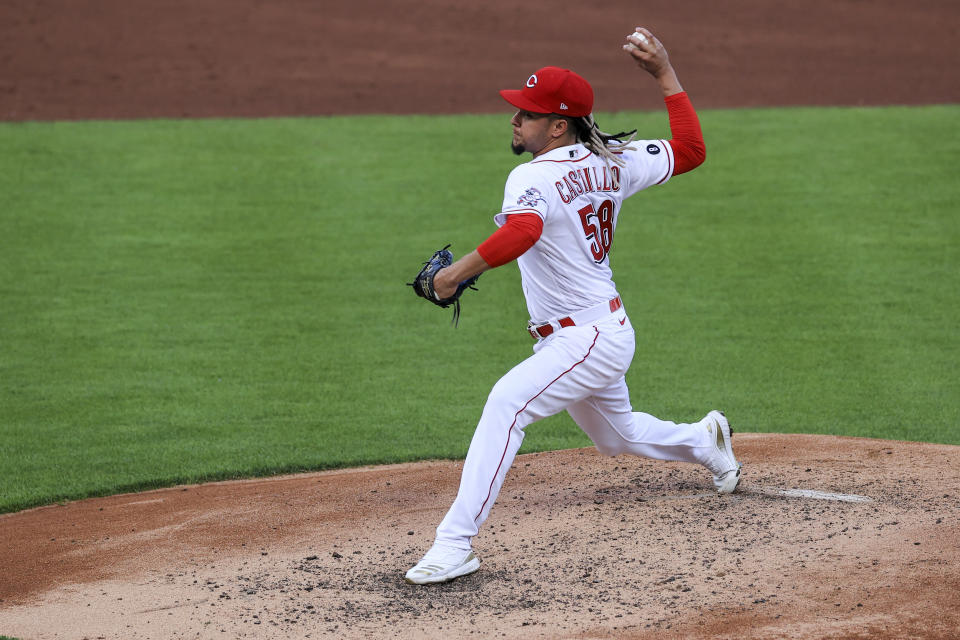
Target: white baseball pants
[580, 369]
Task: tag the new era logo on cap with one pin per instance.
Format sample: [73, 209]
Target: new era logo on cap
[553, 90]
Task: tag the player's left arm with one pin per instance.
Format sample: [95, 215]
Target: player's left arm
[509, 242]
[446, 280]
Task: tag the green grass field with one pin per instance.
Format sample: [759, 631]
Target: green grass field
[192, 300]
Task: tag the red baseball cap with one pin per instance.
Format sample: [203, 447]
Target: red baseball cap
[553, 90]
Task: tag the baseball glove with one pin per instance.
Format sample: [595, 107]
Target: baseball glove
[423, 283]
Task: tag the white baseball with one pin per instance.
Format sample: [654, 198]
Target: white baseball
[640, 37]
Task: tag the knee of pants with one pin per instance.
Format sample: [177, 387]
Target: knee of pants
[499, 396]
[606, 449]
[510, 402]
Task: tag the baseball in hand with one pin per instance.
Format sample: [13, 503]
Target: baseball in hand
[642, 38]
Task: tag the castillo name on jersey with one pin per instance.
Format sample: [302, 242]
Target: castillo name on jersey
[587, 180]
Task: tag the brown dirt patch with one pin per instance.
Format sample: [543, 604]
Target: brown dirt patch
[72, 59]
[620, 548]
[612, 548]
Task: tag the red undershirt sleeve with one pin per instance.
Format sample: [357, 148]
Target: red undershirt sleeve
[689, 151]
[509, 242]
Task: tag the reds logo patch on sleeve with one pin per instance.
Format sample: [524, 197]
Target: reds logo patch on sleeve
[531, 197]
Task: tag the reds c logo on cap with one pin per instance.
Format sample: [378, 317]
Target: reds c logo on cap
[532, 81]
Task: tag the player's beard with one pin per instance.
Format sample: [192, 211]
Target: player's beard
[517, 148]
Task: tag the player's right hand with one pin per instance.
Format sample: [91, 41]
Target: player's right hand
[648, 52]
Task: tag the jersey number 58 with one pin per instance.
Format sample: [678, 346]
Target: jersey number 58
[598, 227]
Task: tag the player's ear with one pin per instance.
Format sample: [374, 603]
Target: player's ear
[559, 127]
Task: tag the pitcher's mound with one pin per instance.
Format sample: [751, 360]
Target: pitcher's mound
[827, 538]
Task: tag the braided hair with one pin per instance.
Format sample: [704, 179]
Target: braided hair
[606, 145]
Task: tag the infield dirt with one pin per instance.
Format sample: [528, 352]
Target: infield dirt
[605, 548]
[611, 548]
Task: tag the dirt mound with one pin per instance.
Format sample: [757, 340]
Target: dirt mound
[828, 537]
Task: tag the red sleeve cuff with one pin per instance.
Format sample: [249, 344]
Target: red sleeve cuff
[509, 242]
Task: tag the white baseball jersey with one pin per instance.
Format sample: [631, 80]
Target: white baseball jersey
[578, 368]
[578, 196]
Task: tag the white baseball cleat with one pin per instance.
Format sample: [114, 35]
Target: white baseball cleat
[442, 564]
[725, 468]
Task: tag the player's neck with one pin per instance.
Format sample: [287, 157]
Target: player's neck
[563, 141]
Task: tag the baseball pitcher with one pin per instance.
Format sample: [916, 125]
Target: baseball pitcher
[558, 221]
